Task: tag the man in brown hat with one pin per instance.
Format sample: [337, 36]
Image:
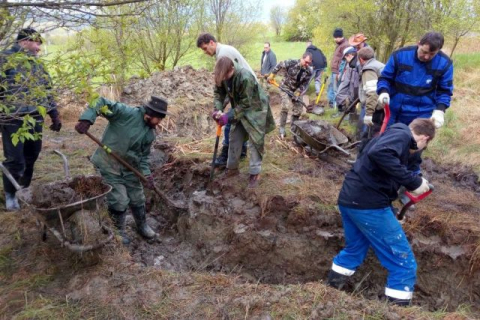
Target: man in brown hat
[358, 41]
[130, 134]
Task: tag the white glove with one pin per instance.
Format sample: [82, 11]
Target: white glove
[382, 97]
[422, 189]
[438, 117]
[367, 120]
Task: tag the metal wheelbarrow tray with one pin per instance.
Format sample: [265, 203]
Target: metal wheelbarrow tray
[320, 135]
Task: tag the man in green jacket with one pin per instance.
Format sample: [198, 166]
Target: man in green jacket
[130, 134]
[250, 116]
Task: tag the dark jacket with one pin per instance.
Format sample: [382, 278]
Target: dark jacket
[380, 170]
[269, 64]
[25, 84]
[415, 86]
[338, 55]
[319, 59]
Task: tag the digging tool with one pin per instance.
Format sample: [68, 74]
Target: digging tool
[294, 97]
[170, 203]
[215, 151]
[350, 107]
[386, 119]
[321, 90]
[413, 200]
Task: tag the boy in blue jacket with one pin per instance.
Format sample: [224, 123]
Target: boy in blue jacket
[365, 205]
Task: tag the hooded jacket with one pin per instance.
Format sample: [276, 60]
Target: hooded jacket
[380, 170]
[319, 59]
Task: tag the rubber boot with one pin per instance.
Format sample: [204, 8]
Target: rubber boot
[399, 302]
[141, 220]
[282, 132]
[336, 280]
[221, 160]
[118, 218]
[11, 202]
[243, 155]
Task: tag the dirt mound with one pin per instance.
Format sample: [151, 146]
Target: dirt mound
[63, 193]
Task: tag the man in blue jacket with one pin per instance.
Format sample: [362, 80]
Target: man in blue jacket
[365, 205]
[417, 81]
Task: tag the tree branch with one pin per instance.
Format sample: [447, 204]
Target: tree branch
[66, 5]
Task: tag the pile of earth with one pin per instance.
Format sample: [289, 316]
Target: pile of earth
[67, 192]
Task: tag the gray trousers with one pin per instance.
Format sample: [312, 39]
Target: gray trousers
[237, 137]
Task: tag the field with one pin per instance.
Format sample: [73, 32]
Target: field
[240, 254]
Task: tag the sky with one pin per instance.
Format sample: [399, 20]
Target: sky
[268, 4]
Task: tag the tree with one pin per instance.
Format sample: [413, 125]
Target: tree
[277, 18]
[302, 20]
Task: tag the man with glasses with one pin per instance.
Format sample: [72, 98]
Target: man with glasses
[297, 77]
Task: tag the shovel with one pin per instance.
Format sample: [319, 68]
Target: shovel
[170, 203]
[413, 200]
[347, 110]
[289, 93]
[215, 151]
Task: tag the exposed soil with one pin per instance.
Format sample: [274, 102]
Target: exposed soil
[63, 193]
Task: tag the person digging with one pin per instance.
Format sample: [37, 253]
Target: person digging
[250, 116]
[130, 133]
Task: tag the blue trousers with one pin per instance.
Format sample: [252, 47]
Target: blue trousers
[380, 230]
[332, 89]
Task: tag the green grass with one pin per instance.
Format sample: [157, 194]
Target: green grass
[466, 61]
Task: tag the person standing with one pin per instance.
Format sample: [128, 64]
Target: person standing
[211, 47]
[25, 86]
[130, 134]
[267, 63]
[319, 63]
[365, 203]
[250, 115]
[337, 57]
[297, 77]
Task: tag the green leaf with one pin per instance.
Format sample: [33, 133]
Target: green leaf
[42, 111]
[14, 139]
[104, 110]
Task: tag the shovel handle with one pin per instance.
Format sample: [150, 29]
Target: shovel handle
[321, 90]
[10, 177]
[386, 119]
[413, 200]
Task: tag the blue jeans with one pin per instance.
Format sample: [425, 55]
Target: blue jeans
[379, 229]
[332, 89]
[317, 77]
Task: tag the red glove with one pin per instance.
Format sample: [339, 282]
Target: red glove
[82, 126]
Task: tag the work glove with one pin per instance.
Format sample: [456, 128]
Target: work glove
[150, 184]
[368, 120]
[216, 114]
[82, 126]
[422, 189]
[438, 118]
[382, 97]
[56, 124]
[271, 78]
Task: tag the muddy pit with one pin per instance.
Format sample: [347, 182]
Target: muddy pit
[66, 192]
[282, 240]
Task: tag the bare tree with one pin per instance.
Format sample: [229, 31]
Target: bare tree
[277, 18]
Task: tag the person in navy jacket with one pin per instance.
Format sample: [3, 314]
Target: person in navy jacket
[365, 203]
[417, 81]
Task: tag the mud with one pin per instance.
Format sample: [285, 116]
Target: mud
[282, 240]
[63, 193]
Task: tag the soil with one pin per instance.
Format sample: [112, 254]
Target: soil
[62, 193]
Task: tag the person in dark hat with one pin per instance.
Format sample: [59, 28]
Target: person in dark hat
[337, 57]
[25, 85]
[130, 133]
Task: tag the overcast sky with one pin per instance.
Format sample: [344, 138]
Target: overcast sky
[268, 4]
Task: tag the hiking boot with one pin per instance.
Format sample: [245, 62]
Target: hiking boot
[118, 218]
[283, 133]
[221, 160]
[141, 221]
[399, 302]
[11, 202]
[243, 155]
[231, 173]
[253, 181]
[336, 280]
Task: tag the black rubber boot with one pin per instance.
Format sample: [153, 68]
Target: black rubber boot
[336, 280]
[118, 218]
[221, 160]
[399, 302]
[243, 155]
[141, 220]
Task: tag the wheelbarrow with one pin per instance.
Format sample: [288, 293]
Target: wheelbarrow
[53, 217]
[320, 136]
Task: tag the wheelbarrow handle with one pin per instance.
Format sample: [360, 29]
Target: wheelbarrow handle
[10, 177]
